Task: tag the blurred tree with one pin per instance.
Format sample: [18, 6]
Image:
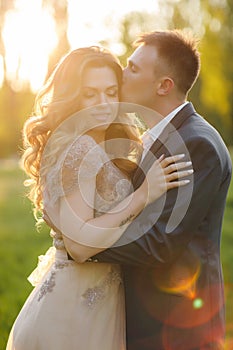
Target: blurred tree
[212, 22]
[133, 24]
[15, 107]
[59, 11]
[228, 61]
[5, 5]
[217, 69]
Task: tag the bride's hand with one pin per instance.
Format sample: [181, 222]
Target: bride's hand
[165, 174]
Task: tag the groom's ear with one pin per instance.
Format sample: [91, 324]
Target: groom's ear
[165, 85]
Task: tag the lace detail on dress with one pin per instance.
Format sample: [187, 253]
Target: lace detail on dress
[111, 188]
[47, 286]
[49, 283]
[82, 159]
[85, 159]
[54, 259]
[94, 295]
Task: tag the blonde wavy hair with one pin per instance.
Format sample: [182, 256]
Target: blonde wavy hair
[55, 102]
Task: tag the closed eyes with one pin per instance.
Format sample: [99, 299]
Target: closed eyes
[89, 92]
[113, 92]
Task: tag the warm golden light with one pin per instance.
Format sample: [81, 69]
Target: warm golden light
[29, 34]
[1, 70]
[183, 282]
[102, 22]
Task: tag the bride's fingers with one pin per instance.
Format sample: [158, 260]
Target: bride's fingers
[176, 184]
[176, 166]
[178, 174]
[171, 159]
[168, 164]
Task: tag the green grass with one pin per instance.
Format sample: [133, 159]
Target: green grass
[20, 244]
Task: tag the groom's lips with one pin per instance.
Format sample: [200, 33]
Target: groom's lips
[101, 116]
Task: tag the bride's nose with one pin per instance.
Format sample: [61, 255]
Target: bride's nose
[102, 98]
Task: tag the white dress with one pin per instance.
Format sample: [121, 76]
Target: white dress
[76, 306]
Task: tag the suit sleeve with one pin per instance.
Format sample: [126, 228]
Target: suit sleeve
[149, 241]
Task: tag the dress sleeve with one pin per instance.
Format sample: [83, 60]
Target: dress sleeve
[82, 159]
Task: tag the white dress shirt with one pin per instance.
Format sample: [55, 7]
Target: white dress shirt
[149, 137]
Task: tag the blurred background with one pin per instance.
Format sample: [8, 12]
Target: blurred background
[33, 36]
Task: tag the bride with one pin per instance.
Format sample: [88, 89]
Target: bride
[80, 165]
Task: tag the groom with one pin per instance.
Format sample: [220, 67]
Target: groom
[171, 259]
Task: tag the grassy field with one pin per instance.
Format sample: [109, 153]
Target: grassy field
[20, 244]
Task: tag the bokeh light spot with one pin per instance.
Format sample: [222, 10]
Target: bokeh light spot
[198, 303]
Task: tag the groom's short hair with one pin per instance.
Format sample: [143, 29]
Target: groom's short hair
[180, 53]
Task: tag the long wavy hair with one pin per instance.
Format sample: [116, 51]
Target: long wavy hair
[55, 102]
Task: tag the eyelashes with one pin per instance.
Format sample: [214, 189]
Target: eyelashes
[91, 93]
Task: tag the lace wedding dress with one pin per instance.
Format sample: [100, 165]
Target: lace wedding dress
[76, 306]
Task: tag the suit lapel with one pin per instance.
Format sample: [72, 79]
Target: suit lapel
[158, 146]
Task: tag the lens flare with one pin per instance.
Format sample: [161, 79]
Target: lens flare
[198, 303]
[182, 282]
[181, 277]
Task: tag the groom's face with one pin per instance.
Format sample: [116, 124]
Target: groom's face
[140, 81]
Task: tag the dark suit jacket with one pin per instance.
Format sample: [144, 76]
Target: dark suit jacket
[170, 254]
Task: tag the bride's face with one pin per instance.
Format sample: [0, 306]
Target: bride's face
[99, 88]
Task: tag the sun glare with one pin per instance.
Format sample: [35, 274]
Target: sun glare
[92, 22]
[1, 70]
[29, 34]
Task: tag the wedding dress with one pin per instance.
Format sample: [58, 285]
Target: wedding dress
[76, 306]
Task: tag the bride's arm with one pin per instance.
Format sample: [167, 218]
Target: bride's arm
[85, 236]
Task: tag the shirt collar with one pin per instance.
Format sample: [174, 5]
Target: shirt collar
[155, 131]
